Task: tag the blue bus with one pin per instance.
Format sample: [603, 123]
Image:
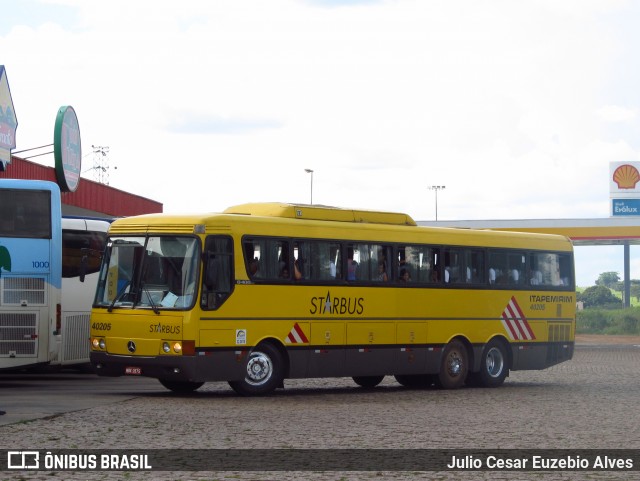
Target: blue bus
[44, 306]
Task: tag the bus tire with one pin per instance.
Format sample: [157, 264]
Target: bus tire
[181, 386]
[494, 365]
[414, 380]
[264, 371]
[368, 381]
[454, 366]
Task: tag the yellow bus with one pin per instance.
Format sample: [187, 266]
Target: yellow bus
[266, 292]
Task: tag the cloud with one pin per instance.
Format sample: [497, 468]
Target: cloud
[499, 101]
[341, 3]
[615, 113]
[199, 124]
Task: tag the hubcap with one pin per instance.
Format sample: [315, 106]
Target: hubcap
[454, 364]
[494, 362]
[259, 368]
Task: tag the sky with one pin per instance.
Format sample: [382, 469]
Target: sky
[517, 108]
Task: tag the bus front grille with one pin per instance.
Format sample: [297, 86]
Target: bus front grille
[18, 334]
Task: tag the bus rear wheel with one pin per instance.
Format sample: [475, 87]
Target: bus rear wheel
[264, 372]
[181, 386]
[454, 366]
[494, 365]
[368, 381]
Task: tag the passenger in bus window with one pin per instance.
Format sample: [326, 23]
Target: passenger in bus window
[538, 277]
[332, 269]
[404, 276]
[283, 262]
[402, 261]
[514, 275]
[351, 266]
[254, 267]
[382, 272]
[296, 271]
[492, 275]
[434, 276]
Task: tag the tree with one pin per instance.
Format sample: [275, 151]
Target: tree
[608, 279]
[618, 286]
[599, 296]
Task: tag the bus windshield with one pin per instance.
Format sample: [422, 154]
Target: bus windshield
[154, 272]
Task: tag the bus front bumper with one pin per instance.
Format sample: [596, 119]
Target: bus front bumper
[171, 368]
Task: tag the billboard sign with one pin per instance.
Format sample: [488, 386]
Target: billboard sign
[8, 121]
[67, 149]
[625, 207]
[624, 188]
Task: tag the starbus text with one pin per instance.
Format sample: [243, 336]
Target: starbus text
[336, 305]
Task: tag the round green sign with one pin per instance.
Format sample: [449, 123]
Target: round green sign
[67, 149]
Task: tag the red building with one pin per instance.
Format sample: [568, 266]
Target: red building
[90, 198]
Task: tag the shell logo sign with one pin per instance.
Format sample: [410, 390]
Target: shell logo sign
[626, 176]
[624, 188]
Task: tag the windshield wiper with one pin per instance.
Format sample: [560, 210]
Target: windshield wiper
[118, 296]
[151, 302]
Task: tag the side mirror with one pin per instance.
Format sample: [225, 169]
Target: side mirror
[83, 267]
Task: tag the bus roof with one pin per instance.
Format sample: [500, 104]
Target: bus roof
[283, 220]
[321, 212]
[28, 184]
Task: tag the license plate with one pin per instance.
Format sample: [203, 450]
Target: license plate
[133, 371]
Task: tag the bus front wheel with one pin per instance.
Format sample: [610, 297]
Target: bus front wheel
[263, 372]
[181, 386]
[454, 366]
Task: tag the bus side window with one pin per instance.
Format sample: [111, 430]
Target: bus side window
[474, 262]
[217, 278]
[253, 259]
[497, 268]
[409, 267]
[516, 268]
[353, 256]
[454, 271]
[566, 269]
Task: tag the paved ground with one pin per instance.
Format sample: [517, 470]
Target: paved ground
[590, 402]
[33, 396]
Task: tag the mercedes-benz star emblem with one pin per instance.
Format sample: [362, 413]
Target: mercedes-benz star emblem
[131, 346]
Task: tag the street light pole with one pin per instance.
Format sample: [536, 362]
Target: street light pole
[436, 188]
[310, 171]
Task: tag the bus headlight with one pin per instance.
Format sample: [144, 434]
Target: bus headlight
[98, 343]
[165, 348]
[177, 347]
